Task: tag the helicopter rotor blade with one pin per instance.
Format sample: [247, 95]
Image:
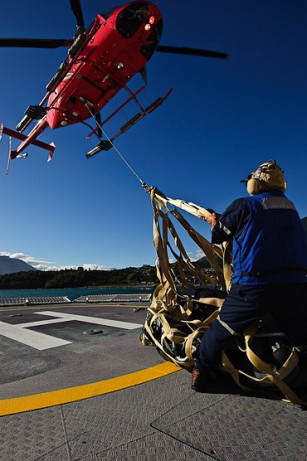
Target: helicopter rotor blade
[34, 42]
[192, 52]
[46, 42]
[77, 10]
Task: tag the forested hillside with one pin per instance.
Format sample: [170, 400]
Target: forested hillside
[78, 278]
[86, 278]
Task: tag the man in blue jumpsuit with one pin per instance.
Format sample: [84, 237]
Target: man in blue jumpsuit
[270, 261]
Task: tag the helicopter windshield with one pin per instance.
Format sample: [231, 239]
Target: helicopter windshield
[129, 20]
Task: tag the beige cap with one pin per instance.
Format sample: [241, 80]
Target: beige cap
[268, 176]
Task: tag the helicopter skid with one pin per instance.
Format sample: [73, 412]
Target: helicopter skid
[105, 145]
[142, 114]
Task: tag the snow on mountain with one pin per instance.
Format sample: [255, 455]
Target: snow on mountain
[10, 265]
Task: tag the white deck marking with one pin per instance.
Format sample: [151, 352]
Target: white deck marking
[41, 341]
[96, 320]
[30, 338]
[42, 322]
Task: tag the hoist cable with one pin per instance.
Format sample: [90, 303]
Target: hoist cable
[122, 157]
[113, 145]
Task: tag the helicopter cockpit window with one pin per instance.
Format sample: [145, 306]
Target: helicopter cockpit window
[130, 19]
[148, 49]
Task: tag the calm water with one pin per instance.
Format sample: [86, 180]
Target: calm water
[71, 293]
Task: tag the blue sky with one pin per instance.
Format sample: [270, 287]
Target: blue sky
[223, 118]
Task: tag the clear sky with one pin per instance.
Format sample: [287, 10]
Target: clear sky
[222, 120]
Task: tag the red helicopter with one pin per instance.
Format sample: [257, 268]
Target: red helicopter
[100, 62]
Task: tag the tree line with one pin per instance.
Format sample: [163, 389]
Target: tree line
[69, 278]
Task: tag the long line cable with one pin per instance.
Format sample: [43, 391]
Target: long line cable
[113, 145]
[122, 157]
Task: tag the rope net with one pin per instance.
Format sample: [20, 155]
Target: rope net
[189, 296]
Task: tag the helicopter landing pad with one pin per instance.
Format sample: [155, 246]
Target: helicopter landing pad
[46, 349]
[76, 384]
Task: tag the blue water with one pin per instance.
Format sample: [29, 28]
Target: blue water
[71, 293]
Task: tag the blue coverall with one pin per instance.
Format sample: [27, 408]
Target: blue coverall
[270, 260]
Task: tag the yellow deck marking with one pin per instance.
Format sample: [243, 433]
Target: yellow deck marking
[73, 394]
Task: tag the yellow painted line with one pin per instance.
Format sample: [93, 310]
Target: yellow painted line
[73, 394]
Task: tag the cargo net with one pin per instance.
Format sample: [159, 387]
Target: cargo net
[189, 296]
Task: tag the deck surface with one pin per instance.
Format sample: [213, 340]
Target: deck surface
[76, 384]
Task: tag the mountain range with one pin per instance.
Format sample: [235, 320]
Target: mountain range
[11, 265]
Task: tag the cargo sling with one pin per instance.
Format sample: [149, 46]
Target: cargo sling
[176, 320]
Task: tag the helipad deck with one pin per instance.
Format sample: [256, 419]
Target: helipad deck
[93, 392]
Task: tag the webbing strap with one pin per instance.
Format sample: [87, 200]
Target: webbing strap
[270, 376]
[213, 252]
[170, 323]
[190, 331]
[235, 372]
[277, 377]
[217, 302]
